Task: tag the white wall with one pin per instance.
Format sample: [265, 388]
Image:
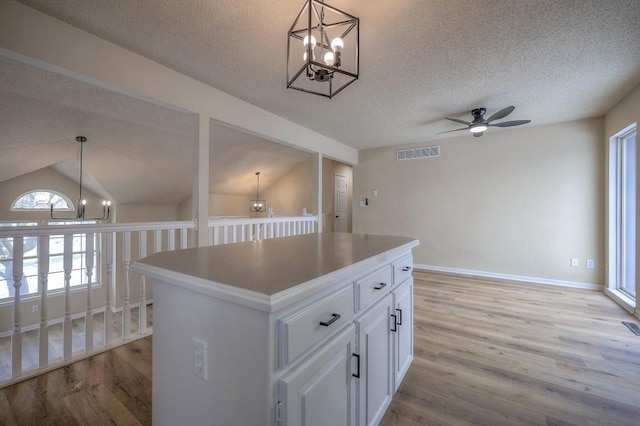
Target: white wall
[515, 201]
[49, 179]
[292, 192]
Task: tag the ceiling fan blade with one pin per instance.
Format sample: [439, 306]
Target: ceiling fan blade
[478, 134]
[510, 123]
[449, 131]
[468, 123]
[501, 114]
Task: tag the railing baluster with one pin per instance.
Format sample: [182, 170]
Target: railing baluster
[171, 236]
[67, 325]
[110, 286]
[183, 238]
[142, 307]
[243, 233]
[157, 240]
[43, 271]
[16, 336]
[88, 318]
[126, 307]
[234, 233]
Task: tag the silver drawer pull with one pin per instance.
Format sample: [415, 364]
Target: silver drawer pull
[406, 269]
[381, 286]
[334, 318]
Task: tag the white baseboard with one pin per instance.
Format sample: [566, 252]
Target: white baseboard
[522, 278]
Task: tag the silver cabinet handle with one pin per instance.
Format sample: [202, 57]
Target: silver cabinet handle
[406, 269]
[380, 287]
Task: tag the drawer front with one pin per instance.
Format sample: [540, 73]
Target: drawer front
[402, 269]
[304, 329]
[373, 287]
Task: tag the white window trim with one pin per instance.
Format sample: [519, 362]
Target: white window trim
[612, 288]
[59, 194]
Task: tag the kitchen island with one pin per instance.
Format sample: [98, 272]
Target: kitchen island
[310, 329]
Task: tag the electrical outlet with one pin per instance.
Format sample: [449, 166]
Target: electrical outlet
[591, 263]
[575, 262]
[199, 355]
[35, 308]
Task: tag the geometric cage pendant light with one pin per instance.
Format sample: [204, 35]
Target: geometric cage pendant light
[323, 50]
[258, 205]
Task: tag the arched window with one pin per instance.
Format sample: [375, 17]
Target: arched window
[41, 200]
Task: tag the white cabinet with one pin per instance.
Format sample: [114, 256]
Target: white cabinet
[376, 356]
[321, 391]
[298, 330]
[403, 335]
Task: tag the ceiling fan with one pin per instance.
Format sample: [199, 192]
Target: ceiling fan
[480, 124]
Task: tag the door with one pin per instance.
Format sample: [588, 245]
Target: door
[374, 343]
[321, 391]
[340, 206]
[403, 344]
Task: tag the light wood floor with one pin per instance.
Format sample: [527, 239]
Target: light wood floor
[486, 353]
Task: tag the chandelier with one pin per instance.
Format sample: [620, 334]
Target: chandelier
[322, 50]
[81, 203]
[258, 205]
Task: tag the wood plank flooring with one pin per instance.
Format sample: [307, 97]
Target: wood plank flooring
[486, 353]
[497, 353]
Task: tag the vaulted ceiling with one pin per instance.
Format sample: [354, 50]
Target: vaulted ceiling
[421, 60]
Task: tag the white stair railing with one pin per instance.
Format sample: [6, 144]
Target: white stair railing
[238, 230]
[74, 302]
[104, 260]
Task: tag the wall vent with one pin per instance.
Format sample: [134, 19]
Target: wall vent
[418, 153]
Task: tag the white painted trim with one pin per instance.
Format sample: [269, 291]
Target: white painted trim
[522, 278]
[60, 320]
[621, 299]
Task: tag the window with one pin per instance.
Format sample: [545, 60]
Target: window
[622, 211]
[30, 281]
[42, 199]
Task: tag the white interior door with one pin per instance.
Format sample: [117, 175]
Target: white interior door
[340, 206]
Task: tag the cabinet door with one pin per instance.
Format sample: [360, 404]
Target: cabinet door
[403, 338]
[321, 391]
[375, 349]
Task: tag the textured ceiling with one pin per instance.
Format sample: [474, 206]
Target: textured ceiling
[421, 60]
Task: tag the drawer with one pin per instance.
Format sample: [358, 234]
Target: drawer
[304, 329]
[402, 269]
[373, 286]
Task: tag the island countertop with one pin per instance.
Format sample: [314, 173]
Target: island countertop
[263, 273]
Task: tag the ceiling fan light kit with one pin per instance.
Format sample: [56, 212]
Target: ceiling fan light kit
[479, 124]
[322, 50]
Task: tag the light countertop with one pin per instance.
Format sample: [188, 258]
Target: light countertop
[271, 266]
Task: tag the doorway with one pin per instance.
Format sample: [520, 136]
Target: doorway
[340, 204]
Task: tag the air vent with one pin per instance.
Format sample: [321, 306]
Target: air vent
[418, 153]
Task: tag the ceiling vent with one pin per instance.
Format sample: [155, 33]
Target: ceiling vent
[418, 153]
